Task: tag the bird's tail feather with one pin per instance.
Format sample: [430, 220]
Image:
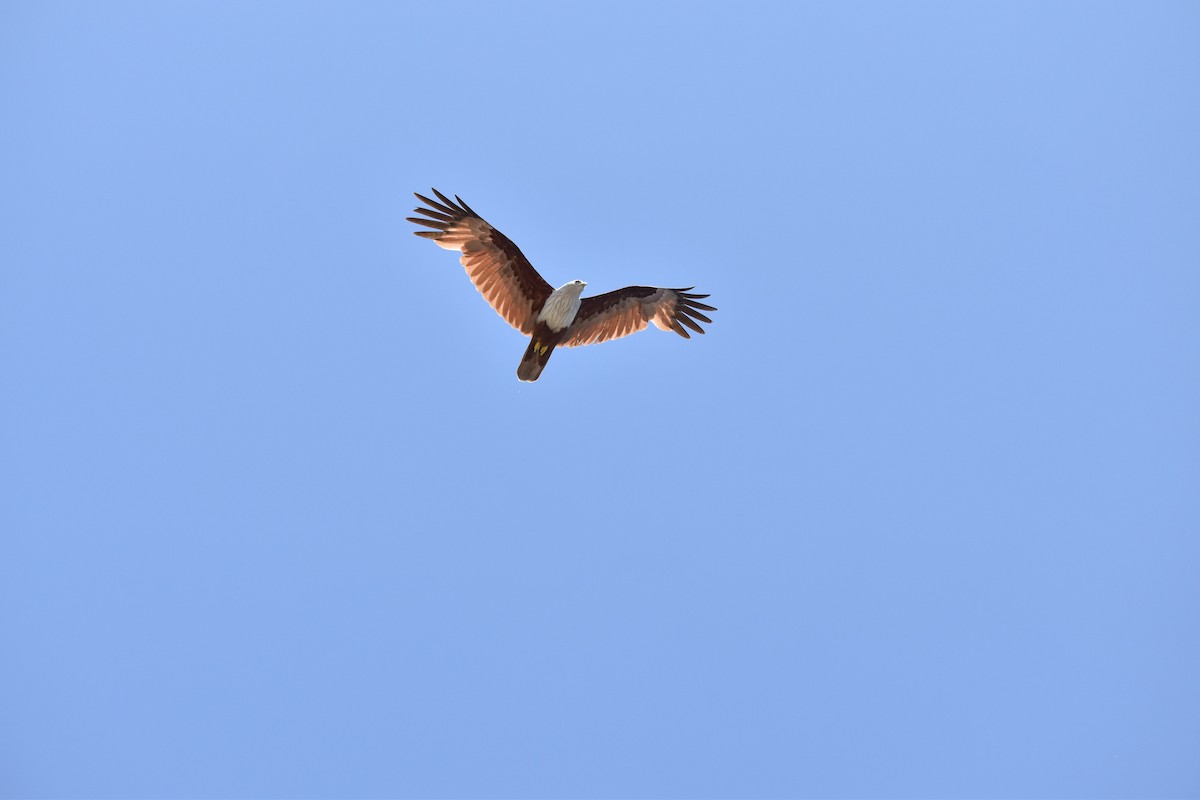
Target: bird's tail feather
[534, 360]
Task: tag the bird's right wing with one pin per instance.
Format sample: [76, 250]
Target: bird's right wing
[629, 310]
[499, 270]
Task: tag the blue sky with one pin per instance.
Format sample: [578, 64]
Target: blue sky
[918, 517]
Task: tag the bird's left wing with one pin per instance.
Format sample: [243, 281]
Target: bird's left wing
[629, 310]
[499, 270]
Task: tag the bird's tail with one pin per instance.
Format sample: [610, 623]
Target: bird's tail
[534, 360]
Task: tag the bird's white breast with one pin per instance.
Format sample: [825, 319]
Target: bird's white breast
[561, 307]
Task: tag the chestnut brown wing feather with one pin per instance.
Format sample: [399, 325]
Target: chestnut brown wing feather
[629, 310]
[497, 267]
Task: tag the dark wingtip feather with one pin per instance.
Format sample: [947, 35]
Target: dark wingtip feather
[466, 207]
[447, 201]
[428, 234]
[435, 214]
[435, 204]
[675, 326]
[686, 320]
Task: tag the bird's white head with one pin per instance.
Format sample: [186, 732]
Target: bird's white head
[572, 289]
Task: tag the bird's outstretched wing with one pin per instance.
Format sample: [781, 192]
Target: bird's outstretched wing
[629, 310]
[500, 271]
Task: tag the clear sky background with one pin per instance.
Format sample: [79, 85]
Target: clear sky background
[920, 515]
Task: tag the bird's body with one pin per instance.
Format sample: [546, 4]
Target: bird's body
[550, 317]
[557, 314]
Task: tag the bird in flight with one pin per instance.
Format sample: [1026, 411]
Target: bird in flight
[550, 317]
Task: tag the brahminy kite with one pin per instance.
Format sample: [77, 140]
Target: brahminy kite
[550, 317]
